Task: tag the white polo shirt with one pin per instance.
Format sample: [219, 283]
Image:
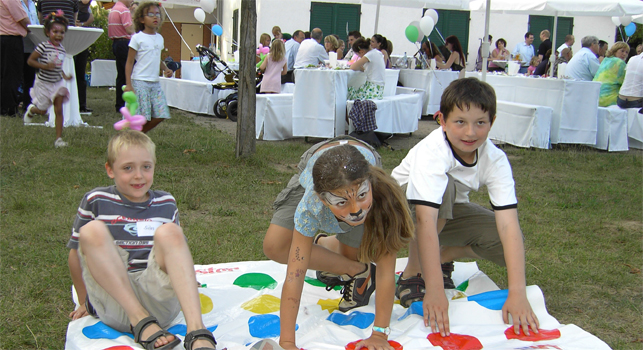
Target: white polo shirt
[426, 166]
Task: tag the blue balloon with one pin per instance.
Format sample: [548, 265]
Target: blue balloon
[217, 30]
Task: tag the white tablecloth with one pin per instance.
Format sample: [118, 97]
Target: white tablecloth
[191, 96]
[77, 39]
[397, 114]
[433, 82]
[522, 125]
[574, 103]
[635, 128]
[103, 73]
[612, 129]
[274, 115]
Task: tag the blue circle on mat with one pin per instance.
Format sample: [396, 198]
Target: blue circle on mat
[493, 300]
[100, 330]
[414, 309]
[358, 319]
[265, 326]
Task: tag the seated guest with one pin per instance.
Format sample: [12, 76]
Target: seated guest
[569, 41]
[543, 67]
[431, 51]
[584, 64]
[564, 57]
[311, 52]
[340, 50]
[380, 43]
[331, 44]
[479, 59]
[306, 35]
[500, 53]
[445, 52]
[631, 93]
[611, 73]
[371, 61]
[292, 47]
[389, 48]
[456, 61]
[639, 49]
[524, 52]
[544, 45]
[352, 36]
[535, 61]
[602, 50]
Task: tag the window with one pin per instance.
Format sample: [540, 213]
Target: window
[235, 30]
[539, 23]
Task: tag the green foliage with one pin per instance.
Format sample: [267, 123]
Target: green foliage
[101, 48]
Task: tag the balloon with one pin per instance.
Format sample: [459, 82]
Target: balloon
[129, 121]
[616, 21]
[411, 33]
[630, 29]
[199, 15]
[426, 24]
[217, 30]
[417, 25]
[433, 14]
[625, 20]
[208, 5]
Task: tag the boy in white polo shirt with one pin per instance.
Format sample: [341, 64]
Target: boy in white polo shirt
[438, 174]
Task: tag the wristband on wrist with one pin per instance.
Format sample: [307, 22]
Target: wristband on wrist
[386, 330]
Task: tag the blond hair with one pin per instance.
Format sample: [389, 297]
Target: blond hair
[126, 139]
[617, 46]
[277, 50]
[331, 39]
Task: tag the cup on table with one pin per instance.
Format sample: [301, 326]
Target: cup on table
[561, 70]
[332, 58]
[433, 64]
[513, 67]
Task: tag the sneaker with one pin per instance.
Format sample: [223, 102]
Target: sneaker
[410, 290]
[358, 290]
[447, 269]
[60, 143]
[332, 280]
[28, 118]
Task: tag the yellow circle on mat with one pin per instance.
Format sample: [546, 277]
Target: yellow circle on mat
[206, 304]
[329, 304]
[264, 304]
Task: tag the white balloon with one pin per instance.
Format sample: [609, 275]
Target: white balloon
[616, 21]
[208, 5]
[625, 20]
[416, 24]
[433, 14]
[427, 24]
[199, 15]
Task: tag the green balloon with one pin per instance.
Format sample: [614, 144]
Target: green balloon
[132, 107]
[412, 33]
[129, 96]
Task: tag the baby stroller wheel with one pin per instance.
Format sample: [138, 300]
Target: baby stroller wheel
[231, 111]
[220, 108]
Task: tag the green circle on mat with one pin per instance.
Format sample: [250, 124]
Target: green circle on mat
[256, 281]
[317, 283]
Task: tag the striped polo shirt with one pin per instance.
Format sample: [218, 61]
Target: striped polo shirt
[69, 7]
[119, 18]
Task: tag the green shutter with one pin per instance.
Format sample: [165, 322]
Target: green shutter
[332, 18]
[452, 22]
[565, 27]
[346, 14]
[321, 16]
[235, 29]
[539, 23]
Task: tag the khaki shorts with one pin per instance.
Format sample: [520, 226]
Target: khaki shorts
[152, 288]
[287, 201]
[468, 224]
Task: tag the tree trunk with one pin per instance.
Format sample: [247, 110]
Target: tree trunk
[247, 85]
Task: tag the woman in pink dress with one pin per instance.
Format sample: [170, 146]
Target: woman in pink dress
[274, 64]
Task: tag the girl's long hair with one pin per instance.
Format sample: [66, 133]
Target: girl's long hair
[453, 40]
[277, 50]
[388, 226]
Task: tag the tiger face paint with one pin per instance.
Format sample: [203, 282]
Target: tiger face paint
[350, 204]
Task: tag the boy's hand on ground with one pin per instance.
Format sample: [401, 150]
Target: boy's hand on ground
[78, 313]
[436, 312]
[375, 342]
[521, 313]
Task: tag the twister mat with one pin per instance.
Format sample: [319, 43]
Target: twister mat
[240, 304]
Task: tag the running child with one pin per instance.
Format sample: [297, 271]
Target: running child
[340, 189]
[129, 260]
[49, 86]
[438, 174]
[143, 77]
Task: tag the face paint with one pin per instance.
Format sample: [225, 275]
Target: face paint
[350, 204]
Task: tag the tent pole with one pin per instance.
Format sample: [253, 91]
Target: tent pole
[485, 42]
[553, 46]
[377, 16]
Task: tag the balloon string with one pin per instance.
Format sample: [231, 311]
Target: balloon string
[177, 31]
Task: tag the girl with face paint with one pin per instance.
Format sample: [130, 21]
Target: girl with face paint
[340, 189]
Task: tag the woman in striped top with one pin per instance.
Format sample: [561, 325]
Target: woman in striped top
[49, 87]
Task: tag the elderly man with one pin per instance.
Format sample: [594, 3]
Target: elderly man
[311, 51]
[120, 29]
[292, 47]
[13, 27]
[352, 36]
[584, 64]
[526, 52]
[544, 45]
[631, 93]
[564, 57]
[569, 41]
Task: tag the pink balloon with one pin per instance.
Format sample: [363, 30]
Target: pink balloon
[265, 50]
[135, 122]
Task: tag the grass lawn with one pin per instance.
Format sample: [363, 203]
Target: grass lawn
[580, 211]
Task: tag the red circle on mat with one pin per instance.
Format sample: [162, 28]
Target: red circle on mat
[543, 334]
[455, 341]
[394, 344]
[119, 347]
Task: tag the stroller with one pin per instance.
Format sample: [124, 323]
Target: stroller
[212, 66]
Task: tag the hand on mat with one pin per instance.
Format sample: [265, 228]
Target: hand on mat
[78, 313]
[521, 313]
[375, 342]
[436, 311]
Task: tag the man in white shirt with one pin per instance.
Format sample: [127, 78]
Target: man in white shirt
[569, 41]
[631, 93]
[584, 64]
[526, 52]
[311, 51]
[292, 47]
